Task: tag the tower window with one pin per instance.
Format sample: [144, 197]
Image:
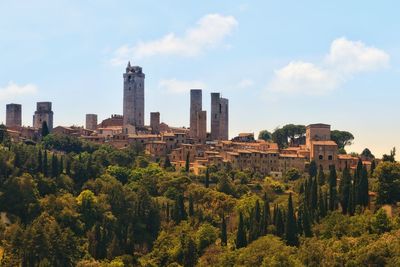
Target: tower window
[321, 157]
[330, 157]
[129, 88]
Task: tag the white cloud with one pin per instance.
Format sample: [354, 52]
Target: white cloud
[177, 86]
[245, 83]
[209, 32]
[12, 90]
[354, 56]
[302, 77]
[345, 59]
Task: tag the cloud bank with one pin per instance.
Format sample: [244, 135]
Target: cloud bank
[209, 32]
[345, 59]
[13, 90]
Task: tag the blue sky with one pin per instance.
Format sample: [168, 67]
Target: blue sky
[278, 62]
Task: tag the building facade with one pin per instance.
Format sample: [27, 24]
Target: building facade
[133, 106]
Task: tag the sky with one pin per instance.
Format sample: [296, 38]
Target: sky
[278, 62]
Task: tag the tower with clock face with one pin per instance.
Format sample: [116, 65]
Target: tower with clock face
[133, 106]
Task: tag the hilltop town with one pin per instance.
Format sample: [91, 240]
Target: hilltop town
[194, 144]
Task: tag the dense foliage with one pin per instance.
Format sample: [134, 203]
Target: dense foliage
[65, 202]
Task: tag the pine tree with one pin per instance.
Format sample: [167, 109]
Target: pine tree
[207, 179]
[363, 198]
[45, 164]
[54, 166]
[313, 169]
[45, 129]
[345, 190]
[321, 176]
[332, 189]
[191, 208]
[187, 164]
[241, 240]
[291, 235]
[224, 236]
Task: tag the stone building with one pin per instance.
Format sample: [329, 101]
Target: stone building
[133, 106]
[13, 115]
[114, 120]
[195, 107]
[317, 132]
[43, 113]
[201, 126]
[155, 122]
[91, 121]
[219, 117]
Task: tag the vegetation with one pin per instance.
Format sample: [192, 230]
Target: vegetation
[65, 202]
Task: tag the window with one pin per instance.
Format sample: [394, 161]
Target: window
[321, 157]
[330, 157]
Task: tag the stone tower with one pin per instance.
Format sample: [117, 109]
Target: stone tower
[195, 107]
[224, 119]
[91, 121]
[215, 115]
[43, 113]
[133, 96]
[219, 117]
[155, 122]
[202, 126]
[13, 115]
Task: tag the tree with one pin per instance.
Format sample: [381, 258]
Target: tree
[366, 154]
[391, 156]
[167, 163]
[292, 174]
[266, 216]
[207, 178]
[342, 138]
[224, 236]
[291, 235]
[54, 166]
[388, 175]
[3, 133]
[321, 176]
[265, 135]
[187, 164]
[191, 208]
[189, 252]
[306, 225]
[332, 188]
[363, 197]
[381, 222]
[345, 190]
[373, 166]
[45, 129]
[45, 164]
[313, 169]
[241, 240]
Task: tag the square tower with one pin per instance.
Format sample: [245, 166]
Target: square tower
[91, 121]
[133, 106]
[215, 116]
[195, 107]
[13, 115]
[224, 119]
[155, 122]
[43, 113]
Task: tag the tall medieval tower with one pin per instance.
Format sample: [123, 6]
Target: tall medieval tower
[133, 96]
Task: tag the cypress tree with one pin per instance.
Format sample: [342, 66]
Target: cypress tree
[191, 208]
[280, 224]
[300, 220]
[321, 205]
[321, 176]
[332, 188]
[187, 164]
[266, 216]
[352, 205]
[61, 167]
[45, 129]
[363, 197]
[189, 252]
[314, 195]
[313, 169]
[359, 168]
[54, 166]
[167, 163]
[373, 166]
[39, 162]
[68, 167]
[181, 208]
[345, 190]
[224, 235]
[207, 179]
[241, 240]
[291, 235]
[326, 202]
[45, 164]
[306, 223]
